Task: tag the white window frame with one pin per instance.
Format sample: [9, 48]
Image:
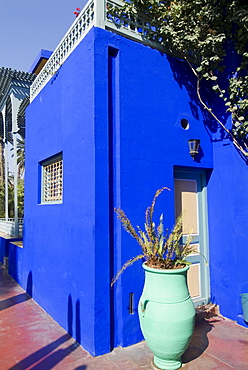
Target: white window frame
[52, 180]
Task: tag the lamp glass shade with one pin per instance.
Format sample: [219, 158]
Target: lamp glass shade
[193, 147]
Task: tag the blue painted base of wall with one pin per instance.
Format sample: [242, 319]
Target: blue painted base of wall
[3, 251]
[15, 259]
[241, 321]
[5, 246]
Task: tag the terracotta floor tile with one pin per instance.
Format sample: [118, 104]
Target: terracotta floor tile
[31, 340]
[100, 364]
[21, 314]
[61, 358]
[136, 356]
[36, 347]
[207, 362]
[200, 335]
[229, 342]
[28, 344]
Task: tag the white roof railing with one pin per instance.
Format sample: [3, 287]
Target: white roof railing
[97, 13]
[8, 227]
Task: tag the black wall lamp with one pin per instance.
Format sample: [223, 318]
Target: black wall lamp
[193, 147]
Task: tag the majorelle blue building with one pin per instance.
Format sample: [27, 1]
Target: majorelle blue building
[108, 124]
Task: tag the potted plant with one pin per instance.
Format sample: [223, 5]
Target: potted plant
[166, 311]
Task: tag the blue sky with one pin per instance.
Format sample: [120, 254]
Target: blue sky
[27, 26]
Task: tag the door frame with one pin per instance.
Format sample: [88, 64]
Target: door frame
[201, 180]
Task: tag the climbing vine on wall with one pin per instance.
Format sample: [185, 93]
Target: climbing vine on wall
[206, 34]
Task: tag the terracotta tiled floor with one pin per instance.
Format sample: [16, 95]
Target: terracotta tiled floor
[30, 339]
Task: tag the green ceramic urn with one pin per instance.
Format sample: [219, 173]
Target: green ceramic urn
[167, 315]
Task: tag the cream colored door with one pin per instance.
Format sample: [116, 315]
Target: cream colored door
[190, 198]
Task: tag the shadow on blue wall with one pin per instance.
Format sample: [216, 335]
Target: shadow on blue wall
[184, 77]
[78, 323]
[56, 74]
[29, 287]
[77, 335]
[13, 254]
[69, 315]
[199, 156]
[2, 249]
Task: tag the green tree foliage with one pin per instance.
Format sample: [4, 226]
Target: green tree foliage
[202, 32]
[20, 195]
[20, 182]
[21, 156]
[2, 200]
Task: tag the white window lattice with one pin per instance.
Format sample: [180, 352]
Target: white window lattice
[53, 180]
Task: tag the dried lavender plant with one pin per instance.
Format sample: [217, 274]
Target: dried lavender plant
[160, 250]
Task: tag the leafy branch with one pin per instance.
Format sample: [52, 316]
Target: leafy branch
[220, 92]
[202, 32]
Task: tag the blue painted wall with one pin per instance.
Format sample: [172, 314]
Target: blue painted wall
[146, 143]
[6, 249]
[15, 261]
[3, 251]
[114, 110]
[59, 250]
[228, 225]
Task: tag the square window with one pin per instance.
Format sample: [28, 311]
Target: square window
[52, 180]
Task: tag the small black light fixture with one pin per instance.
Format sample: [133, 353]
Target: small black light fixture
[193, 147]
